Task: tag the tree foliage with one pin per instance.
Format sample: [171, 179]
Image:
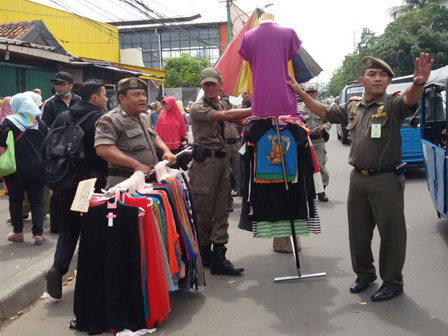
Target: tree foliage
[418, 30]
[409, 5]
[184, 71]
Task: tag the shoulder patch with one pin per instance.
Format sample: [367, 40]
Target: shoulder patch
[355, 98]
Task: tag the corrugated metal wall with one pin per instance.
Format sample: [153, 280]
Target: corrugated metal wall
[8, 81]
[18, 78]
[77, 35]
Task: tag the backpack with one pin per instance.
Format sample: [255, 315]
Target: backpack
[65, 159]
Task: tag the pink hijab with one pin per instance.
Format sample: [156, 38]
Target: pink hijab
[171, 125]
[5, 108]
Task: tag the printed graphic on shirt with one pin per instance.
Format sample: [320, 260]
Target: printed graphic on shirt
[268, 162]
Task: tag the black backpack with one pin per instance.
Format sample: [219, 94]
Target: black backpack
[65, 159]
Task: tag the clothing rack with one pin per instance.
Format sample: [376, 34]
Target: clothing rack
[161, 217]
[293, 237]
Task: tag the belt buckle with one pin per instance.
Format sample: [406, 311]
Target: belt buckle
[364, 172]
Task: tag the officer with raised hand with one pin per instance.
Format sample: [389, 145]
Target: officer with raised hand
[376, 194]
[209, 173]
[124, 137]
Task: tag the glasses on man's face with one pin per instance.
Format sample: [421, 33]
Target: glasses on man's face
[60, 83]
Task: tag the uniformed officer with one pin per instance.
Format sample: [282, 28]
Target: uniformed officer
[124, 137]
[320, 129]
[209, 173]
[377, 180]
[233, 143]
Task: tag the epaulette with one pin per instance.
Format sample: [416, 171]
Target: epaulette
[355, 98]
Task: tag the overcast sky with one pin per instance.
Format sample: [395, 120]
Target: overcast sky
[328, 28]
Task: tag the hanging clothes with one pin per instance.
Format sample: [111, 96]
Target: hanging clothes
[108, 291]
[265, 208]
[133, 254]
[158, 299]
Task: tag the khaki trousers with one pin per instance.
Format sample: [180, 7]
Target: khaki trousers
[210, 183]
[321, 156]
[377, 200]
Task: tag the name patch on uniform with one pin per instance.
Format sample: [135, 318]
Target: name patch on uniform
[129, 126]
[376, 131]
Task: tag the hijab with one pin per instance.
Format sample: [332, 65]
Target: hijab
[5, 108]
[25, 111]
[171, 125]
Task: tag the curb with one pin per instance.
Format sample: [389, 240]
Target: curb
[24, 288]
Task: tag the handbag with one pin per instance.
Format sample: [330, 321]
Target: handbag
[8, 158]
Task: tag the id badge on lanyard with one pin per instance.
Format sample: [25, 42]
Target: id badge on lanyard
[376, 131]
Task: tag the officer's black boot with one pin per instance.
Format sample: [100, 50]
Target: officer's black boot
[220, 265]
[206, 255]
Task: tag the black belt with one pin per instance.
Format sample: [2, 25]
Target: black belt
[218, 154]
[231, 141]
[376, 171]
[120, 172]
[315, 137]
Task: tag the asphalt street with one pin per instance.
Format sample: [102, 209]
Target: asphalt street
[253, 304]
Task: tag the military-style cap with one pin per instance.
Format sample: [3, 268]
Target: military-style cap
[62, 76]
[370, 62]
[131, 83]
[210, 75]
[310, 87]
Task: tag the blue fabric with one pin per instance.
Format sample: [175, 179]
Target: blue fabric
[268, 164]
[24, 112]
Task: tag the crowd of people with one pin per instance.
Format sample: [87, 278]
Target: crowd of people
[128, 138]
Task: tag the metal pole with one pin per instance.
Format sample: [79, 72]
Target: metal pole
[288, 196]
[229, 23]
[299, 275]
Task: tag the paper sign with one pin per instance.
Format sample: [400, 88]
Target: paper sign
[83, 193]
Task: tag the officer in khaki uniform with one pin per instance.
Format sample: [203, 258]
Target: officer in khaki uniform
[376, 194]
[233, 144]
[209, 172]
[124, 137]
[320, 129]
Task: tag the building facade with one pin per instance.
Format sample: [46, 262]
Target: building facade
[204, 40]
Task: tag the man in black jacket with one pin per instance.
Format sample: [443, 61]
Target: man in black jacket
[94, 100]
[62, 100]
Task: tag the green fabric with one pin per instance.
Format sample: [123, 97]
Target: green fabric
[281, 229]
[8, 158]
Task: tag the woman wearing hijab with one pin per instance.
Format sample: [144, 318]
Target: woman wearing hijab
[5, 108]
[171, 126]
[29, 133]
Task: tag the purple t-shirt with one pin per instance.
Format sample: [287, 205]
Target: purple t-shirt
[268, 48]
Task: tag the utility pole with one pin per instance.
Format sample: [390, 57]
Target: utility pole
[229, 22]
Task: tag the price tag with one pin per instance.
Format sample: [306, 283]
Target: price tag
[82, 197]
[376, 131]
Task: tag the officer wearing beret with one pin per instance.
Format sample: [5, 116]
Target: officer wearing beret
[124, 137]
[209, 173]
[319, 129]
[377, 179]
